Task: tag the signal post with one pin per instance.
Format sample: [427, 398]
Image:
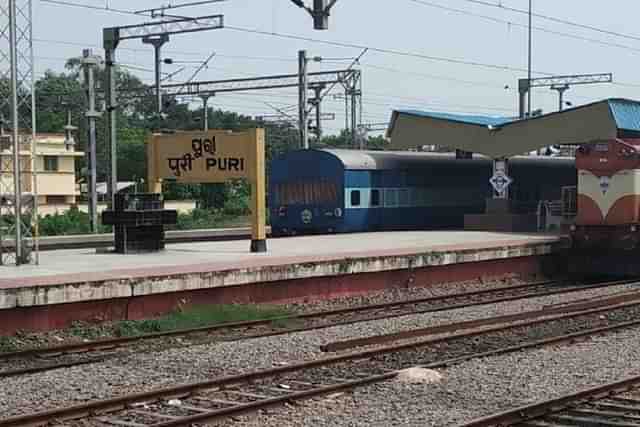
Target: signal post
[213, 157]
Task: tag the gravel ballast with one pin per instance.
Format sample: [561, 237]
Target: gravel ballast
[472, 389]
[145, 371]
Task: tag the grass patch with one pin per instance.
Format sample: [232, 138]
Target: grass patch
[88, 331]
[8, 344]
[200, 316]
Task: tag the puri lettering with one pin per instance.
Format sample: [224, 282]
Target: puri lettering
[201, 146]
[225, 164]
[181, 164]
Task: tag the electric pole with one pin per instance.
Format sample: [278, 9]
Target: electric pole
[319, 12]
[18, 171]
[529, 76]
[110, 122]
[205, 106]
[111, 38]
[15, 125]
[302, 99]
[317, 102]
[89, 62]
[561, 89]
[157, 42]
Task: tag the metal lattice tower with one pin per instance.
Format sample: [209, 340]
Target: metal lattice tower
[18, 186]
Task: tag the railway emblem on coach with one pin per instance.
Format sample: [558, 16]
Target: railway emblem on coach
[500, 182]
[306, 216]
[604, 184]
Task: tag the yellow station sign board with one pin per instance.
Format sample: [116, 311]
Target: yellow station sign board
[210, 157]
[200, 157]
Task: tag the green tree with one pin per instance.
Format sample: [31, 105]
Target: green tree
[344, 140]
[56, 94]
[132, 154]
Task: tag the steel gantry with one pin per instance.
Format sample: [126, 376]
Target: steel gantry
[257, 83]
[560, 84]
[349, 78]
[154, 33]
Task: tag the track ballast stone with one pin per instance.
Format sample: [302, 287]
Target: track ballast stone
[146, 371]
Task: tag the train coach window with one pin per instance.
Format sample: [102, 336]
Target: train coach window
[391, 198]
[355, 198]
[403, 197]
[375, 198]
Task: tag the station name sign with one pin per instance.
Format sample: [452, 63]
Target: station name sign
[212, 157]
[201, 157]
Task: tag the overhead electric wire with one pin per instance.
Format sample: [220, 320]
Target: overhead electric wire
[389, 51]
[105, 8]
[521, 25]
[556, 20]
[178, 6]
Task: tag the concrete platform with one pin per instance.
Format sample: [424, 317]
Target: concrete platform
[83, 285]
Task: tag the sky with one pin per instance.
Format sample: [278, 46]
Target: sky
[460, 56]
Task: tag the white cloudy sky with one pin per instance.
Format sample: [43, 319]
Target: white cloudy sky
[419, 27]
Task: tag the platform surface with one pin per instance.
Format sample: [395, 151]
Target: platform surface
[86, 264]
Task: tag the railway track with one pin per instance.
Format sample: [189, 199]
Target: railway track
[90, 241]
[36, 360]
[223, 397]
[615, 404]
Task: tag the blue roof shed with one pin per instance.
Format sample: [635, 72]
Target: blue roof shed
[505, 137]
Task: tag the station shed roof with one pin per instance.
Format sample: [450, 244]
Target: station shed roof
[504, 137]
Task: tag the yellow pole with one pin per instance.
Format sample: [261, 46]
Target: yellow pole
[154, 183]
[258, 192]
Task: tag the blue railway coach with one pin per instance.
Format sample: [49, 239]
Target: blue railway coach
[326, 191]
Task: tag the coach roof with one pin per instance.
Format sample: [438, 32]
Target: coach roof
[371, 160]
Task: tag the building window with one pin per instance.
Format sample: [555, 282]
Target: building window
[56, 200]
[355, 198]
[375, 198]
[51, 163]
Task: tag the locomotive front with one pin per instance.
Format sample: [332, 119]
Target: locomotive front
[605, 238]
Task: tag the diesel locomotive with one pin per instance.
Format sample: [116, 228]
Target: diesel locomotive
[605, 238]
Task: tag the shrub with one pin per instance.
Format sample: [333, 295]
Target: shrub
[72, 221]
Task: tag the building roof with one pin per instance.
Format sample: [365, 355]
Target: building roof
[503, 137]
[461, 118]
[101, 187]
[626, 114]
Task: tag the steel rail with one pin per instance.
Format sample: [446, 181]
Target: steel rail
[540, 409]
[119, 342]
[502, 327]
[105, 240]
[123, 402]
[535, 344]
[34, 370]
[261, 404]
[115, 342]
[476, 323]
